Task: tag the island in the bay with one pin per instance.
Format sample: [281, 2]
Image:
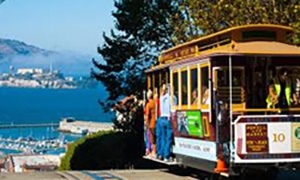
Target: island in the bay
[44, 78]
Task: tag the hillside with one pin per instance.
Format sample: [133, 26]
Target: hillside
[10, 48]
[18, 54]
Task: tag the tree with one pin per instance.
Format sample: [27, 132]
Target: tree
[211, 16]
[142, 30]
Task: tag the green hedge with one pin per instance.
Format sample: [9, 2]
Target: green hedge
[103, 150]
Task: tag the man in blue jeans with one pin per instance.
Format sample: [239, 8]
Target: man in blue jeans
[164, 130]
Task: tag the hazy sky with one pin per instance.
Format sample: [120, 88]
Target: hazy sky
[61, 25]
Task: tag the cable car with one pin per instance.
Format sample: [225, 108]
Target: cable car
[222, 120]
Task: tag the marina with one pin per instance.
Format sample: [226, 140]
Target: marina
[34, 139]
[32, 146]
[43, 138]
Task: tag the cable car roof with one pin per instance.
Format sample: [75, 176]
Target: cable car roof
[257, 48]
[256, 26]
[232, 41]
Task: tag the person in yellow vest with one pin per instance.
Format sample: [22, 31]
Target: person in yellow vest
[281, 91]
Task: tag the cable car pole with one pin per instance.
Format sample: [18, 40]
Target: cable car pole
[230, 104]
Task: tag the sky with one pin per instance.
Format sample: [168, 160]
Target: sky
[59, 25]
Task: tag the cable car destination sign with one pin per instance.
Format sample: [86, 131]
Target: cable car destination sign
[257, 138]
[178, 53]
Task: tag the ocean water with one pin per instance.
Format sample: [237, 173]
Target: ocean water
[27, 105]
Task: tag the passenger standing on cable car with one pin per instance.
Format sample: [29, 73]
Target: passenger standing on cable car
[164, 126]
[281, 91]
[146, 127]
[151, 122]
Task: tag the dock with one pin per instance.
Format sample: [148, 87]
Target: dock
[10, 126]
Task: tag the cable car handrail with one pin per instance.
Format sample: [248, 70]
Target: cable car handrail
[266, 109]
[215, 44]
[226, 87]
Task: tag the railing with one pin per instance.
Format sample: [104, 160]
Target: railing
[238, 94]
[239, 102]
[275, 110]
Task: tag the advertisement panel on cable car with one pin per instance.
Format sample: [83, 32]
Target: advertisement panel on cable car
[267, 138]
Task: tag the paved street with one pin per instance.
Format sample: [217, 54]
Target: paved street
[153, 174]
[98, 175]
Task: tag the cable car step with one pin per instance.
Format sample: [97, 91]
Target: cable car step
[225, 174]
[169, 163]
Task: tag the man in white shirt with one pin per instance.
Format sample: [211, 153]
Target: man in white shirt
[165, 131]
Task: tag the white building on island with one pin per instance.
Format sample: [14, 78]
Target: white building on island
[30, 70]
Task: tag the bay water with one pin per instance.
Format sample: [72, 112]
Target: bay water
[30, 106]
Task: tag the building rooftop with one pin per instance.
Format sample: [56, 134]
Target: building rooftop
[20, 161]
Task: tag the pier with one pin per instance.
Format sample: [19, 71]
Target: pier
[10, 126]
[83, 127]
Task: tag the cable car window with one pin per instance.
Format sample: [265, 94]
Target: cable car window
[194, 86]
[167, 75]
[184, 90]
[149, 81]
[205, 88]
[237, 84]
[153, 81]
[162, 78]
[294, 78]
[156, 82]
[259, 35]
[175, 86]
[237, 75]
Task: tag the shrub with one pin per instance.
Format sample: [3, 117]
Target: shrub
[103, 150]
